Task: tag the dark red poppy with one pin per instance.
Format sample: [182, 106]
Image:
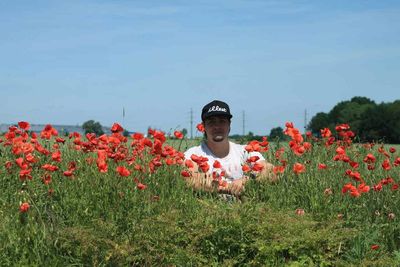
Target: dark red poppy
[116, 128]
[24, 125]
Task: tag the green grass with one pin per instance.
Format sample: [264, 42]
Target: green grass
[102, 219]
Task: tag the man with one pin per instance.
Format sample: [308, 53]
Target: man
[224, 158]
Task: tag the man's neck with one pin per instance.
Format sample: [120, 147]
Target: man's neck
[219, 149]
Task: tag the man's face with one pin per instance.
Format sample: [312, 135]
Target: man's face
[217, 128]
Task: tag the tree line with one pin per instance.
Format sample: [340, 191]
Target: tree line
[371, 122]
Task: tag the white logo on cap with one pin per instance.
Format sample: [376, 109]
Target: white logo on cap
[216, 108]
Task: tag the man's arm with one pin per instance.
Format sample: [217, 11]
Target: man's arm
[204, 181]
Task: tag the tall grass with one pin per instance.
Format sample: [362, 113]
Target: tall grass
[103, 219]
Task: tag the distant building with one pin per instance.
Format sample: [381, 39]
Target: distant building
[62, 129]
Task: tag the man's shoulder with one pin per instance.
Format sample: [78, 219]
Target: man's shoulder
[197, 150]
[236, 146]
[193, 149]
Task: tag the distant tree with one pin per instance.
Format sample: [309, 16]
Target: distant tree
[277, 133]
[125, 133]
[394, 122]
[362, 100]
[352, 113]
[91, 126]
[319, 121]
[381, 123]
[184, 131]
[368, 120]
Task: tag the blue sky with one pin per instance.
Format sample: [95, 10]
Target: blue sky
[65, 62]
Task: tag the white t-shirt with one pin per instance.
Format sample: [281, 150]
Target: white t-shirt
[231, 164]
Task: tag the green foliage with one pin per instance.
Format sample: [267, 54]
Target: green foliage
[319, 121]
[91, 126]
[381, 123]
[277, 134]
[369, 121]
[184, 132]
[102, 219]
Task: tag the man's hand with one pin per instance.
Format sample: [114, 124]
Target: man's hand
[267, 173]
[236, 187]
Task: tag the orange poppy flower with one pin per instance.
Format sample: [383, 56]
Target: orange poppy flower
[298, 168]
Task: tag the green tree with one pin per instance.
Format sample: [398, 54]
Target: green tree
[381, 123]
[277, 133]
[362, 100]
[319, 121]
[91, 126]
[184, 131]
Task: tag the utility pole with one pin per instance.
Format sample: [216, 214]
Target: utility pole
[244, 121]
[123, 117]
[305, 120]
[191, 123]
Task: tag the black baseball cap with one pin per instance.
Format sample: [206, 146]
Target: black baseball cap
[216, 108]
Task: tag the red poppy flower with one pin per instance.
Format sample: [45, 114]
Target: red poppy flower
[116, 128]
[68, 173]
[46, 179]
[204, 166]
[102, 166]
[253, 146]
[378, 187]
[279, 169]
[178, 134]
[189, 163]
[138, 136]
[124, 172]
[217, 164]
[253, 159]
[60, 140]
[326, 133]
[298, 168]
[21, 163]
[24, 207]
[185, 174]
[354, 164]
[8, 165]
[72, 166]
[200, 127]
[24, 125]
[141, 186]
[245, 168]
[25, 174]
[369, 158]
[375, 247]
[342, 127]
[322, 166]
[56, 156]
[363, 188]
[386, 165]
[49, 167]
[257, 167]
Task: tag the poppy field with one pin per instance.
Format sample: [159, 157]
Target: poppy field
[111, 200]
